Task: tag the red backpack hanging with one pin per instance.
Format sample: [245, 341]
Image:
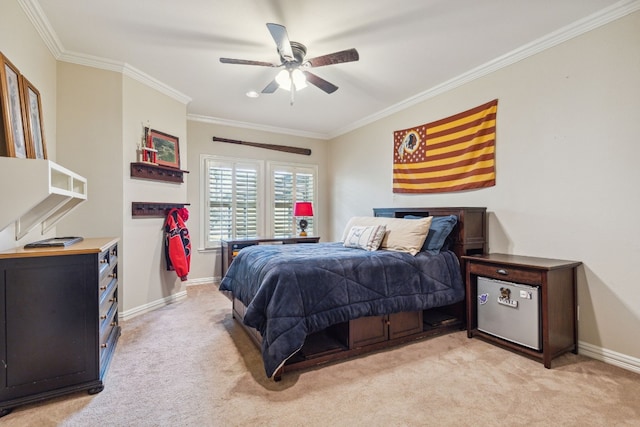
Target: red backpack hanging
[177, 243]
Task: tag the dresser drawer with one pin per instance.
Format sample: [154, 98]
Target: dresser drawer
[108, 305]
[504, 272]
[108, 338]
[105, 282]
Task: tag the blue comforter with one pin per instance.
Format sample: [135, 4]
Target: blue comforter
[291, 291]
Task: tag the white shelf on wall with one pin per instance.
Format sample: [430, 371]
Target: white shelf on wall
[37, 192]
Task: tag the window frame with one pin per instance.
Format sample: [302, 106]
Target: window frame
[265, 225]
[205, 161]
[270, 199]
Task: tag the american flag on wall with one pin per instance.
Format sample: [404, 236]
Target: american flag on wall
[452, 154]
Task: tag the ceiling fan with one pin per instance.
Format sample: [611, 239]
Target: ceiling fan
[295, 75]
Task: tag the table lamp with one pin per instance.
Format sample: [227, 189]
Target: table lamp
[303, 209]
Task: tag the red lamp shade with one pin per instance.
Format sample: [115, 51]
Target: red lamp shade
[303, 209]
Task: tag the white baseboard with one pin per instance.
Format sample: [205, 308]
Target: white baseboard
[608, 356]
[137, 311]
[201, 281]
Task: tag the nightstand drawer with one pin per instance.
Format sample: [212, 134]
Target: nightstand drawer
[504, 272]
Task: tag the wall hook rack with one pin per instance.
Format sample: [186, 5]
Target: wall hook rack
[153, 209]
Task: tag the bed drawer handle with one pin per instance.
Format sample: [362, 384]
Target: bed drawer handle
[502, 271]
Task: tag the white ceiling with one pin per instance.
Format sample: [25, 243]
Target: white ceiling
[408, 49]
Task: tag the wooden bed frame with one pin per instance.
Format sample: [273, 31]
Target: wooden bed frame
[368, 334]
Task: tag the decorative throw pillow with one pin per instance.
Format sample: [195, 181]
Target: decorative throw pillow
[441, 227]
[403, 235]
[365, 237]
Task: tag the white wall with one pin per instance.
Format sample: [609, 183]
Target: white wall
[208, 263]
[567, 148]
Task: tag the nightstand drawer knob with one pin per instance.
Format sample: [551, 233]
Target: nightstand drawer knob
[502, 271]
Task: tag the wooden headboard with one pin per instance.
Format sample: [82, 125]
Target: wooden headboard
[469, 237]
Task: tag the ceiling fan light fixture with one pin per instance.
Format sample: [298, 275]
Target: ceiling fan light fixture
[284, 78]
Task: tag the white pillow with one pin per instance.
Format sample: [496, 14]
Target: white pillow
[365, 237]
[403, 235]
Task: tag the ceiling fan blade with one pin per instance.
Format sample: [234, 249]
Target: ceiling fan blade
[246, 62]
[348, 55]
[271, 87]
[279, 34]
[321, 83]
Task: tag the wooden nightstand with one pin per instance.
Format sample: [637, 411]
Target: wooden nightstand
[556, 280]
[230, 248]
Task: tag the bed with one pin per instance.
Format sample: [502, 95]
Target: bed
[308, 304]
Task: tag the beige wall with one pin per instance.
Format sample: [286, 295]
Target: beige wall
[101, 115]
[207, 263]
[567, 150]
[21, 44]
[146, 279]
[566, 153]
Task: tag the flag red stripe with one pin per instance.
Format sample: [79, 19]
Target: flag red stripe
[468, 162]
[461, 187]
[444, 177]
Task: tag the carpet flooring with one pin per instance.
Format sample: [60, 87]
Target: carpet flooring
[190, 364]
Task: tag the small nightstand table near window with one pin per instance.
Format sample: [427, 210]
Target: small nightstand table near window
[553, 285]
[231, 247]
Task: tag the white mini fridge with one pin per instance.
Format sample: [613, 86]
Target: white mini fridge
[510, 311]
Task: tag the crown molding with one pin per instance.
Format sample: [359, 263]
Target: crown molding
[598, 19]
[42, 25]
[40, 22]
[618, 10]
[255, 126]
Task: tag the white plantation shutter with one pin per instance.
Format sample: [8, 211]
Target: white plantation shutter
[235, 204]
[290, 184]
[232, 199]
[305, 192]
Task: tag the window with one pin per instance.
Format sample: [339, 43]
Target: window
[235, 204]
[290, 184]
[232, 199]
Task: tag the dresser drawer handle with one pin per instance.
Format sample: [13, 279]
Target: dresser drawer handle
[103, 288]
[103, 317]
[105, 345]
[112, 275]
[104, 261]
[113, 299]
[502, 271]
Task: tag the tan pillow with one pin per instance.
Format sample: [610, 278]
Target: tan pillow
[403, 235]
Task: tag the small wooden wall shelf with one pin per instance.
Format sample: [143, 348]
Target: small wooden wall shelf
[156, 172]
[153, 209]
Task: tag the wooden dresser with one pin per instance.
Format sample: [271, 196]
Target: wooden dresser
[58, 320]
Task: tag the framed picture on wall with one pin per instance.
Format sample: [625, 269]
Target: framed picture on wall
[33, 109]
[13, 107]
[168, 150]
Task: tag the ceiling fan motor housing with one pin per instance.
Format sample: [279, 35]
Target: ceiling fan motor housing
[299, 51]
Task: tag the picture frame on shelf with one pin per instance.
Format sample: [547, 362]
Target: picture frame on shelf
[12, 107]
[34, 124]
[167, 148]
